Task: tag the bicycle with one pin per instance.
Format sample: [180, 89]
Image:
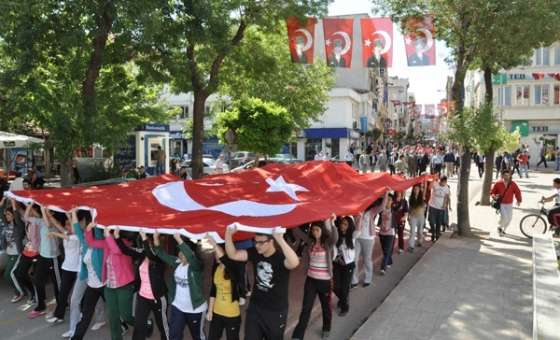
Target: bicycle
[535, 223]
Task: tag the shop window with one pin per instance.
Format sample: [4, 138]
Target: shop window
[522, 95]
[541, 94]
[556, 94]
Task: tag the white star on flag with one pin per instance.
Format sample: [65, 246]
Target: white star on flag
[367, 42]
[280, 185]
[328, 42]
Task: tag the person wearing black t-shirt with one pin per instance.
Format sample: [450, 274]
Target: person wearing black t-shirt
[268, 308]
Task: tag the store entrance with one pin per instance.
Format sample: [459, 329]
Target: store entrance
[551, 142]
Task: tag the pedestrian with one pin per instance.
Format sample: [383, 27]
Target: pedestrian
[498, 164]
[400, 166]
[392, 158]
[12, 233]
[557, 158]
[439, 202]
[412, 164]
[436, 163]
[503, 192]
[416, 219]
[449, 160]
[423, 163]
[79, 220]
[90, 271]
[47, 265]
[382, 161]
[267, 312]
[523, 161]
[224, 312]
[554, 213]
[387, 232]
[118, 276]
[479, 161]
[319, 276]
[349, 158]
[344, 261]
[160, 161]
[189, 304]
[365, 243]
[151, 288]
[17, 183]
[400, 215]
[70, 266]
[542, 154]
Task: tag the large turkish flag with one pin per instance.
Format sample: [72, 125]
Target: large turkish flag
[377, 42]
[419, 41]
[301, 36]
[338, 41]
[260, 199]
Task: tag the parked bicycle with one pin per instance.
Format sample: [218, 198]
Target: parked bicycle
[537, 223]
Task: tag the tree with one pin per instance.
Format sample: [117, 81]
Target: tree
[188, 42]
[270, 75]
[69, 69]
[259, 126]
[508, 43]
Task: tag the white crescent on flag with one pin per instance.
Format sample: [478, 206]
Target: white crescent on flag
[347, 41]
[387, 41]
[308, 38]
[429, 40]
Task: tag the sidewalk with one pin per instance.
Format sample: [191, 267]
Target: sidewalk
[466, 288]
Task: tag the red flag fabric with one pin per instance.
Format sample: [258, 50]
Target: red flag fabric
[258, 199]
[338, 41]
[301, 38]
[377, 42]
[419, 41]
[538, 75]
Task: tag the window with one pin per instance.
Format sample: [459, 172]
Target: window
[557, 56]
[522, 95]
[542, 56]
[541, 94]
[507, 95]
[184, 112]
[556, 94]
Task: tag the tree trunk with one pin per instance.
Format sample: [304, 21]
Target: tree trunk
[66, 179]
[488, 175]
[104, 23]
[198, 133]
[463, 220]
[489, 154]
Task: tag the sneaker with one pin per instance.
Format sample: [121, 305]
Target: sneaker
[401, 251]
[68, 334]
[55, 320]
[389, 266]
[366, 284]
[382, 272]
[51, 302]
[325, 334]
[35, 314]
[98, 325]
[124, 328]
[242, 301]
[353, 285]
[25, 307]
[343, 313]
[149, 328]
[17, 298]
[410, 250]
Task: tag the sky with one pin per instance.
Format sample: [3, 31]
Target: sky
[426, 82]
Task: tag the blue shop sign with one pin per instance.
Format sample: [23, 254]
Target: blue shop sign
[154, 127]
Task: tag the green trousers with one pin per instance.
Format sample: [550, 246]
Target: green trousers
[119, 308]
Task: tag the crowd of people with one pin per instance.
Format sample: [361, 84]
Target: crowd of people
[92, 270]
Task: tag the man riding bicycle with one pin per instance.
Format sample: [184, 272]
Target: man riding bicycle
[554, 213]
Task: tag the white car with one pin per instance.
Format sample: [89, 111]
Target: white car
[209, 167]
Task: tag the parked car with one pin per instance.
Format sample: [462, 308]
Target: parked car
[209, 165]
[283, 158]
[241, 157]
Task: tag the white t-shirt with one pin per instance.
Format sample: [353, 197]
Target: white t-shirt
[182, 299]
[17, 184]
[93, 280]
[557, 199]
[438, 196]
[71, 254]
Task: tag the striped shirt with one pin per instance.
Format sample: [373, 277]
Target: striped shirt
[318, 267]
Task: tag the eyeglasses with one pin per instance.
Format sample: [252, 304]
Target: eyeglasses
[259, 243]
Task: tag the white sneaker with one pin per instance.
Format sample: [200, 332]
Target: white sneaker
[98, 325]
[68, 334]
[242, 301]
[51, 302]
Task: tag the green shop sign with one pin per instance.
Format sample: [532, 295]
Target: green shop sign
[522, 125]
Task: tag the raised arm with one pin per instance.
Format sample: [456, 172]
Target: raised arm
[110, 242]
[27, 213]
[333, 231]
[91, 241]
[194, 262]
[232, 253]
[159, 252]
[292, 260]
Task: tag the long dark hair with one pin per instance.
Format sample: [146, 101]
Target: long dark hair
[415, 201]
[348, 237]
[324, 235]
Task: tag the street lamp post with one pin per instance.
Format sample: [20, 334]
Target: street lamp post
[230, 140]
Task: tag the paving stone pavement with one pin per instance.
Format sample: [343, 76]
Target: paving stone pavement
[467, 288]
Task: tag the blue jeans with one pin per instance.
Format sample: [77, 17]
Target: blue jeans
[557, 163]
[178, 320]
[387, 247]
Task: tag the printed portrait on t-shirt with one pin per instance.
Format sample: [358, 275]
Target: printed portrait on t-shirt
[265, 273]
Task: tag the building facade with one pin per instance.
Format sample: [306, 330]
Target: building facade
[526, 98]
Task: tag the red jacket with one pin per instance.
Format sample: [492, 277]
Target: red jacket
[507, 197]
